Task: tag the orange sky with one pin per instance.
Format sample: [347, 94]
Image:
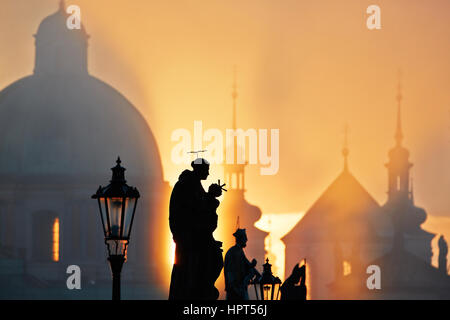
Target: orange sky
[304, 67]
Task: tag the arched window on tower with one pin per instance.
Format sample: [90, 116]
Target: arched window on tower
[45, 236]
[55, 251]
[346, 268]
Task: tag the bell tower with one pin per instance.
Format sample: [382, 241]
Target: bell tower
[399, 165]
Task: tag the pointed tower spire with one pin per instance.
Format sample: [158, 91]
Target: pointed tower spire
[62, 5]
[345, 150]
[399, 133]
[399, 165]
[234, 95]
[234, 170]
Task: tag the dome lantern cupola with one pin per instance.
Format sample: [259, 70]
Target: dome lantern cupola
[60, 50]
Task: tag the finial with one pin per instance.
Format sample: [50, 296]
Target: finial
[118, 172]
[412, 190]
[345, 150]
[234, 95]
[237, 223]
[398, 133]
[62, 5]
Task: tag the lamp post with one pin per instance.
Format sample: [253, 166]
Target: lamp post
[267, 283]
[117, 204]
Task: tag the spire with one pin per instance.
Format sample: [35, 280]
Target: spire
[234, 95]
[345, 150]
[237, 163]
[398, 133]
[62, 5]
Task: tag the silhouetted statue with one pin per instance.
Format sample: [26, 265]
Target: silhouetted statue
[238, 270]
[192, 220]
[290, 290]
[443, 251]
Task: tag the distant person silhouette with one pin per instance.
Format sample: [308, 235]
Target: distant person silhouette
[192, 221]
[443, 252]
[237, 269]
[290, 290]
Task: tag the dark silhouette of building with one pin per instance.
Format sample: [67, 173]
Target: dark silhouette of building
[61, 129]
[346, 230]
[405, 216]
[403, 276]
[330, 232]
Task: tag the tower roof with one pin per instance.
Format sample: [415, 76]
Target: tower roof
[343, 211]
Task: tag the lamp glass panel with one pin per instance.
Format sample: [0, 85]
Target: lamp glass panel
[267, 289]
[276, 292]
[115, 212]
[129, 207]
[103, 212]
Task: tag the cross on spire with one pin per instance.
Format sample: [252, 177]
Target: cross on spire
[399, 133]
[345, 150]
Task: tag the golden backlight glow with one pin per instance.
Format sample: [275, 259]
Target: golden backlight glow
[304, 67]
[289, 78]
[172, 253]
[347, 267]
[308, 279]
[278, 225]
[55, 249]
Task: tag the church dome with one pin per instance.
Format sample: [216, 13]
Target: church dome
[78, 125]
[399, 153]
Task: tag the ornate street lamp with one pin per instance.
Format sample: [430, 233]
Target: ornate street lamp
[117, 204]
[267, 283]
